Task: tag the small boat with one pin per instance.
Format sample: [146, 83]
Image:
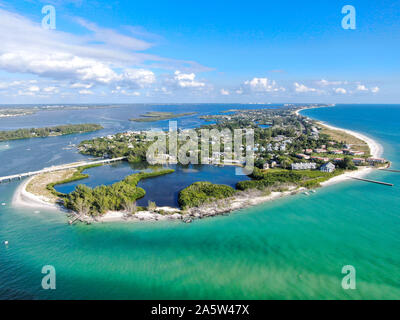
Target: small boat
[306, 193]
[6, 242]
[3, 204]
[313, 191]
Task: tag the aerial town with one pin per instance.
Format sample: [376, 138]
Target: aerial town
[282, 139]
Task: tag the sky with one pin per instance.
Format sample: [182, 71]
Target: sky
[160, 51]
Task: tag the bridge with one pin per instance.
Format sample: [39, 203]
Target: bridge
[19, 176]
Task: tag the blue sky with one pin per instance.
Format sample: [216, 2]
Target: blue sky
[199, 51]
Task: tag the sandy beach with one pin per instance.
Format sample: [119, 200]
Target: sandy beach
[25, 199]
[375, 148]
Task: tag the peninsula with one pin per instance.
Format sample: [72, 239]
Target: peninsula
[153, 116]
[294, 154]
[48, 131]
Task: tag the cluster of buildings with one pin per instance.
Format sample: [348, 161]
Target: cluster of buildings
[326, 167]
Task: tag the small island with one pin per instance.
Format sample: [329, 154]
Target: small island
[153, 116]
[26, 111]
[48, 131]
[8, 112]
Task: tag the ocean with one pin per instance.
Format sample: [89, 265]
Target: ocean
[292, 248]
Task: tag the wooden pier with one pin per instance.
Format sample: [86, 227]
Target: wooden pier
[390, 170]
[373, 181]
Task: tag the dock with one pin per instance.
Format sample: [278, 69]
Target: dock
[80, 218]
[390, 170]
[19, 176]
[373, 181]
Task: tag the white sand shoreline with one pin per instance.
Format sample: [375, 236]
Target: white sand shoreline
[23, 198]
[375, 147]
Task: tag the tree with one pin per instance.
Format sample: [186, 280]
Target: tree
[129, 205]
[347, 164]
[151, 206]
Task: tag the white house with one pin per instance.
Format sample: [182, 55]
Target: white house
[304, 166]
[328, 167]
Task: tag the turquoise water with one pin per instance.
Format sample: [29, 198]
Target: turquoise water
[292, 248]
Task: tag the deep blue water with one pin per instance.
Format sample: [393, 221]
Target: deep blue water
[164, 189]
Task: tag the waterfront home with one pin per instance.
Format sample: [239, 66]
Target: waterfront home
[358, 161]
[328, 167]
[337, 152]
[308, 151]
[376, 160]
[356, 153]
[304, 166]
[320, 150]
[302, 156]
[320, 158]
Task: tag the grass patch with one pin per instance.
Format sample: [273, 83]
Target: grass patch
[338, 135]
[77, 175]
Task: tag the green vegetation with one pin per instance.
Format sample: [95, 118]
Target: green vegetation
[347, 164]
[118, 196]
[133, 146]
[151, 206]
[199, 193]
[275, 178]
[158, 115]
[48, 131]
[15, 112]
[78, 175]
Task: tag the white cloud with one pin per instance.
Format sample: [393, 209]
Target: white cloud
[99, 57]
[262, 85]
[340, 90]
[324, 83]
[85, 92]
[138, 77]
[187, 80]
[81, 85]
[34, 89]
[375, 90]
[239, 91]
[25, 93]
[361, 87]
[51, 90]
[301, 88]
[113, 38]
[224, 92]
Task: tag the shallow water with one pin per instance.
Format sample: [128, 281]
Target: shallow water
[292, 248]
